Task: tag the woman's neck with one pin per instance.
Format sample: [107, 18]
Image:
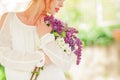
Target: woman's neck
[34, 13]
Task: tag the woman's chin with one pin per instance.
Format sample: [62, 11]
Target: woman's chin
[52, 13]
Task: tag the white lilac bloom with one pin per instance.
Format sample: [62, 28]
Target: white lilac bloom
[65, 47]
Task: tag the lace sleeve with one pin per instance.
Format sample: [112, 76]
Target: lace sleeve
[15, 59]
[54, 52]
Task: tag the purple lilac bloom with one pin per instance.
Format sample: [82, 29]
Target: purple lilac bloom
[70, 38]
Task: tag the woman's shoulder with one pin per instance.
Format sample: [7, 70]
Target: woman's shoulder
[3, 19]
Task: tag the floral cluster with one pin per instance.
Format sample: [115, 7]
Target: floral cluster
[64, 46]
[67, 34]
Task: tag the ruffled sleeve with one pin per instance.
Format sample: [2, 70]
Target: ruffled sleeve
[54, 52]
[16, 59]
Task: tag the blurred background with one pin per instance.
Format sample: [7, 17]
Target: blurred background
[98, 22]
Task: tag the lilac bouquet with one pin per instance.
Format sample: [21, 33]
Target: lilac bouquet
[59, 29]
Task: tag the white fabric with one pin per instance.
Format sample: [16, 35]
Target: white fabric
[14, 53]
[19, 52]
[54, 52]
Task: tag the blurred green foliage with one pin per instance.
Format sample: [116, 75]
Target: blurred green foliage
[101, 36]
[70, 13]
[2, 73]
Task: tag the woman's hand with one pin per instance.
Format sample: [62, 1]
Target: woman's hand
[42, 28]
[47, 59]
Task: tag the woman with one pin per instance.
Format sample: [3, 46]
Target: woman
[20, 34]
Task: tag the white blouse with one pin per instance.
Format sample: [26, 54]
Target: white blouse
[19, 52]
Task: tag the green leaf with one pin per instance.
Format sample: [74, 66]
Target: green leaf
[38, 73]
[41, 68]
[56, 34]
[63, 34]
